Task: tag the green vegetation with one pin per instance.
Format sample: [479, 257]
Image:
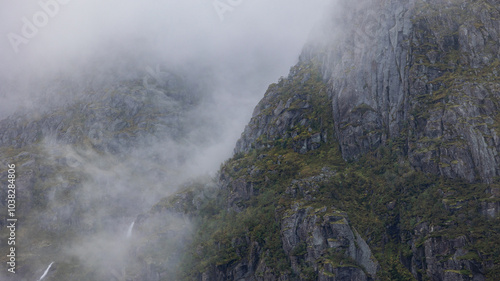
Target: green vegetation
[365, 190]
[446, 60]
[386, 200]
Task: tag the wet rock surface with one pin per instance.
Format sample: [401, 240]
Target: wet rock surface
[419, 72]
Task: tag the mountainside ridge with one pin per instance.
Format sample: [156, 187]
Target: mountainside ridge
[73, 159]
[376, 158]
[427, 71]
[398, 109]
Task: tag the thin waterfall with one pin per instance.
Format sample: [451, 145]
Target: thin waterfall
[129, 231]
[46, 271]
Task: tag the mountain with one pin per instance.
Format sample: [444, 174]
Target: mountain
[87, 166]
[376, 158]
[424, 73]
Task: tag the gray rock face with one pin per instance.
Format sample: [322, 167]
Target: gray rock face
[421, 76]
[322, 237]
[491, 209]
[319, 242]
[285, 112]
[365, 62]
[419, 73]
[459, 264]
[310, 235]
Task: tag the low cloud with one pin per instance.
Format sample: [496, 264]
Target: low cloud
[55, 52]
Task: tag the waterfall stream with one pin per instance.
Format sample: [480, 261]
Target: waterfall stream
[46, 271]
[130, 228]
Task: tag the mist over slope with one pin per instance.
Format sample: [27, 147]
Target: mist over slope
[124, 37]
[109, 106]
[375, 159]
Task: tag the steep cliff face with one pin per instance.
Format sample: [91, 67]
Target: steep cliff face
[384, 136]
[266, 225]
[292, 111]
[290, 214]
[419, 73]
[375, 159]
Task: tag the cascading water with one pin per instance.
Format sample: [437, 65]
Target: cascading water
[46, 271]
[130, 228]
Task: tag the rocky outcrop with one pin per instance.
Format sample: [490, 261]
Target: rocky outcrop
[441, 258]
[320, 238]
[318, 242]
[414, 81]
[287, 115]
[364, 60]
[418, 73]
[419, 77]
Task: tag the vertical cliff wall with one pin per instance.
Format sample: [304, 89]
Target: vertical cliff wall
[420, 74]
[401, 124]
